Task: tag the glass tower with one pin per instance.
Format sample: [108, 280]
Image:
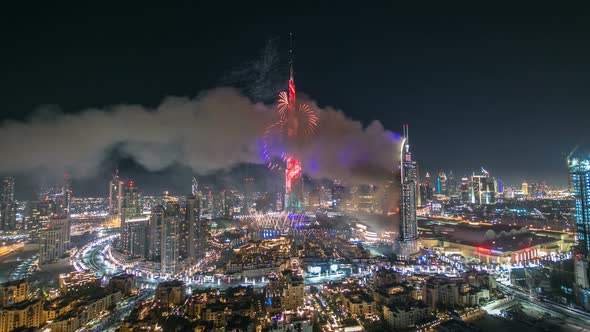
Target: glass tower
[408, 233]
[579, 170]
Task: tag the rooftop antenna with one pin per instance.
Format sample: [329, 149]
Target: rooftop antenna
[291, 57]
[406, 132]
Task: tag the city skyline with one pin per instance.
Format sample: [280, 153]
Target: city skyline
[443, 142]
[161, 171]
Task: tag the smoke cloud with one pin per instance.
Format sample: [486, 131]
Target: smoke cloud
[214, 131]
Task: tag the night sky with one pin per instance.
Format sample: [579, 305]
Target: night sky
[503, 88]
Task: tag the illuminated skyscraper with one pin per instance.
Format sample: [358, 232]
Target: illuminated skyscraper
[130, 211]
[525, 188]
[579, 170]
[155, 233]
[482, 188]
[465, 192]
[115, 194]
[195, 186]
[441, 184]
[407, 243]
[170, 241]
[500, 186]
[188, 228]
[67, 193]
[7, 205]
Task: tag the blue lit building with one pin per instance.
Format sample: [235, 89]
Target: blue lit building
[579, 169]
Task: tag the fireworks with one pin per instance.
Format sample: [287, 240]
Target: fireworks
[294, 123]
[276, 221]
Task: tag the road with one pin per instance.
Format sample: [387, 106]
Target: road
[572, 316]
[123, 309]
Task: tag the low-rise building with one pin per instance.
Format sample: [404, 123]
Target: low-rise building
[406, 315]
[386, 277]
[171, 292]
[13, 292]
[24, 314]
[84, 310]
[125, 283]
[441, 291]
[359, 303]
[77, 280]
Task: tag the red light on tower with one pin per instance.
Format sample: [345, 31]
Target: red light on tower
[130, 183]
[483, 250]
[293, 172]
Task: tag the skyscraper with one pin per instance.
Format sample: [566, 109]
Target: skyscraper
[115, 194]
[130, 211]
[407, 243]
[187, 215]
[579, 170]
[155, 233]
[465, 192]
[525, 188]
[426, 190]
[170, 241]
[293, 170]
[67, 193]
[441, 184]
[7, 205]
[500, 186]
[248, 195]
[195, 186]
[482, 188]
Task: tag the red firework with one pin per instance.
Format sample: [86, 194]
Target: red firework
[294, 123]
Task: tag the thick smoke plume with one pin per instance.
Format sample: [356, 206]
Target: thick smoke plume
[216, 130]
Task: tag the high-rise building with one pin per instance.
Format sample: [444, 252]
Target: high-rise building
[525, 188]
[67, 194]
[138, 238]
[482, 188]
[115, 194]
[7, 205]
[202, 231]
[54, 239]
[170, 241]
[293, 168]
[500, 186]
[338, 195]
[465, 192]
[441, 184]
[130, 212]
[426, 190]
[37, 216]
[188, 228]
[248, 195]
[155, 234]
[195, 186]
[452, 185]
[407, 243]
[579, 170]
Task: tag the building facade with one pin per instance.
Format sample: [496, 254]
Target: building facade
[7, 205]
[407, 243]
